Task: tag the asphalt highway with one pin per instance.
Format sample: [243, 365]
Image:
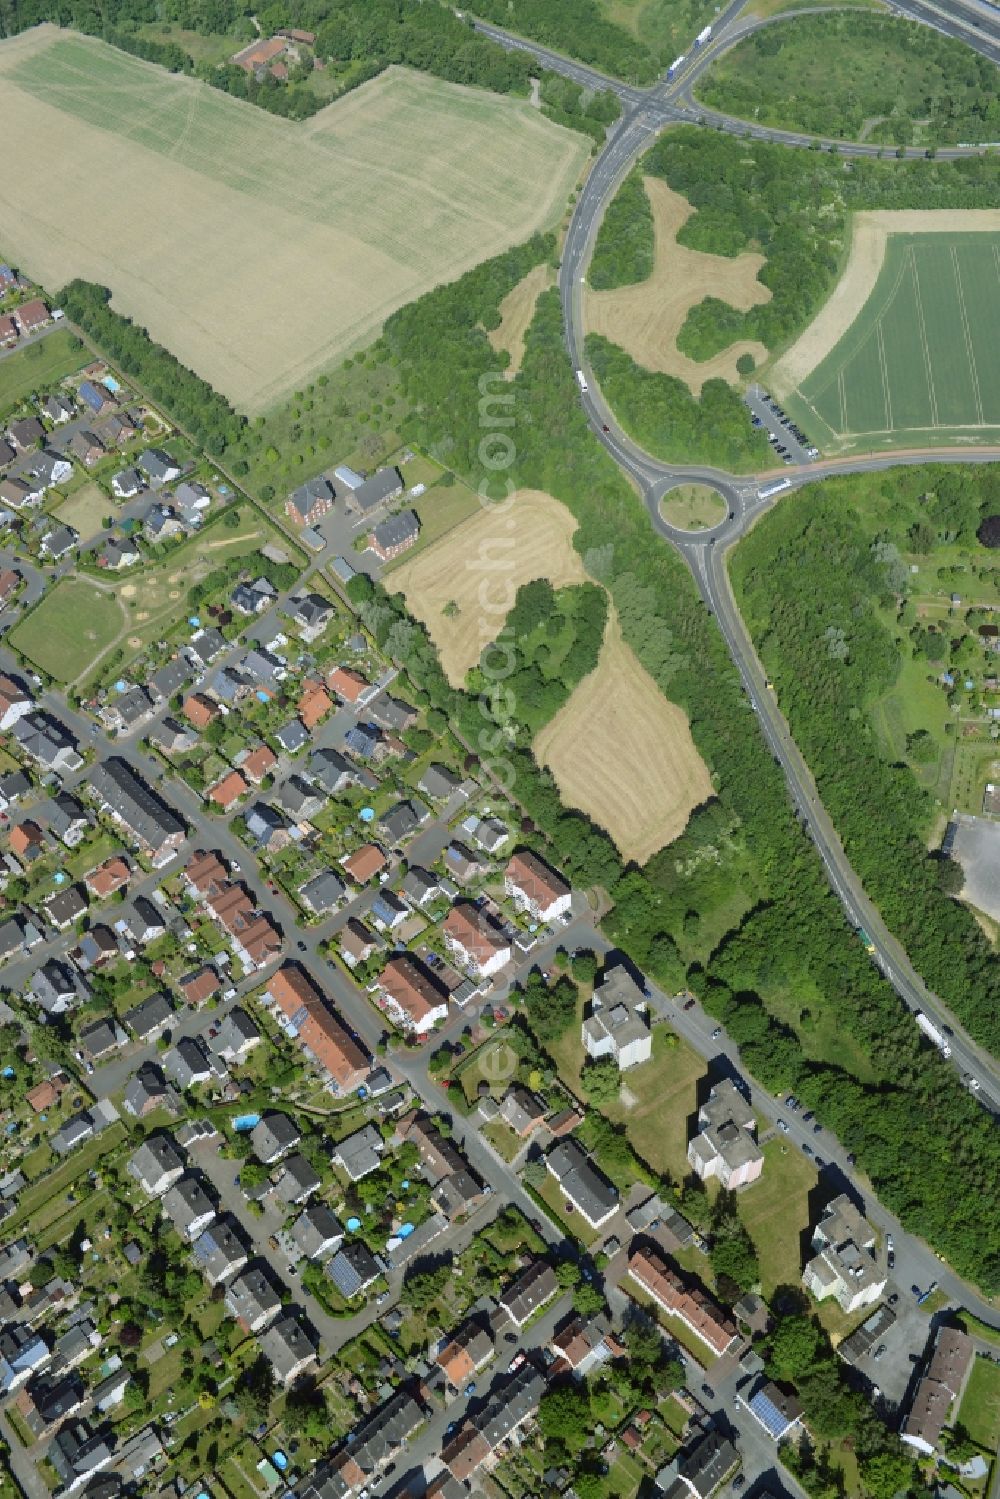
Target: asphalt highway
[645, 113]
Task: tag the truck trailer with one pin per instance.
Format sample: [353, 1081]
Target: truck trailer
[932, 1033]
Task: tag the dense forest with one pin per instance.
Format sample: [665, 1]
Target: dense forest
[859, 77]
[361, 37]
[811, 579]
[748, 839]
[625, 245]
[192, 402]
[661, 413]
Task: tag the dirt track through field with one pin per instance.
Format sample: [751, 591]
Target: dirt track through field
[516, 311]
[260, 250]
[478, 567]
[624, 755]
[645, 319]
[869, 235]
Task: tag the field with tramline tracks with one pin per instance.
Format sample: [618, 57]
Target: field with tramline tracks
[260, 250]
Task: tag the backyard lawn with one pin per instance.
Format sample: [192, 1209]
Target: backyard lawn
[657, 1099]
[40, 365]
[775, 1210]
[84, 510]
[438, 510]
[980, 1409]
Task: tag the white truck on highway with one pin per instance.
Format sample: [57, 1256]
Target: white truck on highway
[932, 1033]
[581, 380]
[703, 36]
[676, 64]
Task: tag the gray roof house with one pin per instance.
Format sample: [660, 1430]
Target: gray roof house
[54, 988]
[401, 820]
[316, 1231]
[156, 1165]
[297, 1181]
[66, 818]
[238, 1035]
[77, 1452]
[438, 782]
[587, 1188]
[252, 1299]
[189, 1207]
[137, 808]
[288, 1348]
[419, 886]
[47, 741]
[274, 1136]
[221, 1250]
[299, 799]
[323, 893]
[331, 770]
[127, 484]
[145, 1090]
[360, 1153]
[535, 1285]
[394, 535]
[188, 1063]
[385, 484]
[292, 736]
[158, 465]
[65, 906]
[148, 1020]
[312, 613]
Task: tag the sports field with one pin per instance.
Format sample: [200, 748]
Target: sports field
[919, 364]
[260, 250]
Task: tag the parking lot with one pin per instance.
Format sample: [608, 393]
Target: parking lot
[789, 443]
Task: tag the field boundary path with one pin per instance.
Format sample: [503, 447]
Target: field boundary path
[645, 114]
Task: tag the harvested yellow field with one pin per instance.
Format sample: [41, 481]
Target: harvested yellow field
[259, 250]
[623, 754]
[463, 587]
[645, 319]
[516, 311]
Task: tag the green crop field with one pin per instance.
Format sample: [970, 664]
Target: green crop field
[920, 365]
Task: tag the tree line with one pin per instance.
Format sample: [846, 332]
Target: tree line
[549, 642]
[664, 416]
[196, 407]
